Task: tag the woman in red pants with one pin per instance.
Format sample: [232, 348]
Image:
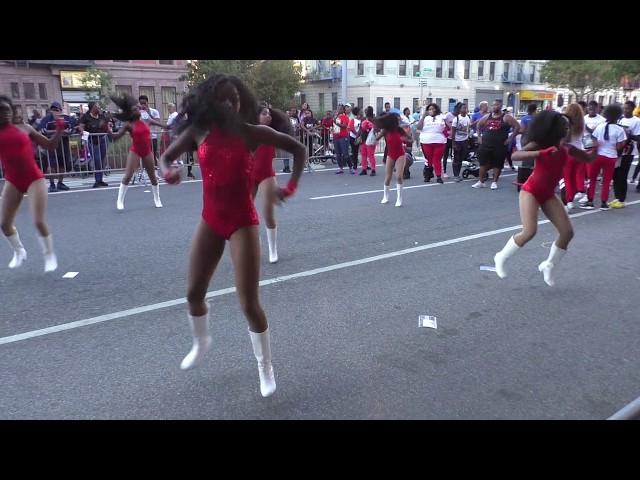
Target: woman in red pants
[611, 140]
[432, 125]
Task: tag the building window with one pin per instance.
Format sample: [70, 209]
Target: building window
[165, 62]
[520, 72]
[168, 96]
[334, 101]
[360, 68]
[600, 98]
[42, 87]
[610, 99]
[570, 99]
[452, 68]
[379, 104]
[15, 90]
[505, 70]
[303, 98]
[360, 102]
[124, 90]
[492, 71]
[467, 69]
[121, 61]
[402, 68]
[321, 104]
[149, 92]
[532, 73]
[396, 102]
[429, 100]
[439, 102]
[466, 102]
[481, 70]
[438, 68]
[44, 108]
[635, 100]
[416, 69]
[416, 104]
[379, 67]
[29, 90]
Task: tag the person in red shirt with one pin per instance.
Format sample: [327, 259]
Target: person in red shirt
[341, 139]
[327, 125]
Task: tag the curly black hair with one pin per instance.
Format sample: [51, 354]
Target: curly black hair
[547, 129]
[206, 106]
[389, 122]
[279, 120]
[126, 104]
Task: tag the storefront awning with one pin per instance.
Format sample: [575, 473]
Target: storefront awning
[536, 95]
[76, 96]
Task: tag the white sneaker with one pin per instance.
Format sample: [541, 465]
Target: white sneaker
[444, 175]
[632, 182]
[583, 200]
[578, 196]
[494, 186]
[478, 184]
[570, 205]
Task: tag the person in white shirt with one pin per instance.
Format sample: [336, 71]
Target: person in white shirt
[432, 125]
[460, 128]
[611, 139]
[631, 126]
[592, 119]
[147, 113]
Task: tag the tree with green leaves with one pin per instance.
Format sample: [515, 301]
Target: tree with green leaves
[98, 85]
[582, 77]
[275, 81]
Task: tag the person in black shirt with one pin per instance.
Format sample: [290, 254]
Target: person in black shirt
[60, 158]
[309, 125]
[97, 125]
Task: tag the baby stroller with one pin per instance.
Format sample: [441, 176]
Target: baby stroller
[471, 165]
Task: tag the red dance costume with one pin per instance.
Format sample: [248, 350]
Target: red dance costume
[228, 183]
[263, 163]
[394, 145]
[547, 173]
[16, 155]
[141, 138]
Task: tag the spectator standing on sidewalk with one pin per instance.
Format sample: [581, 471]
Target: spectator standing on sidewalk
[96, 124]
[147, 113]
[60, 158]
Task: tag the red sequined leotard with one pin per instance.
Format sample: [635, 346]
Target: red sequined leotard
[263, 163]
[16, 155]
[140, 138]
[547, 173]
[227, 173]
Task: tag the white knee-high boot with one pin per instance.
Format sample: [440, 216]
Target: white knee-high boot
[262, 350]
[50, 259]
[399, 199]
[385, 196]
[156, 195]
[509, 249]
[546, 267]
[272, 238]
[19, 252]
[122, 191]
[201, 340]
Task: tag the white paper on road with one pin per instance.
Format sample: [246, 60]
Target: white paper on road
[147, 191]
[487, 268]
[70, 274]
[427, 321]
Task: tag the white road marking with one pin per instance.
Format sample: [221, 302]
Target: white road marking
[404, 188]
[263, 283]
[70, 274]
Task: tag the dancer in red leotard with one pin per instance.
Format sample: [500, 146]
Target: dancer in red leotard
[265, 175]
[547, 134]
[22, 175]
[222, 125]
[140, 147]
[393, 136]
